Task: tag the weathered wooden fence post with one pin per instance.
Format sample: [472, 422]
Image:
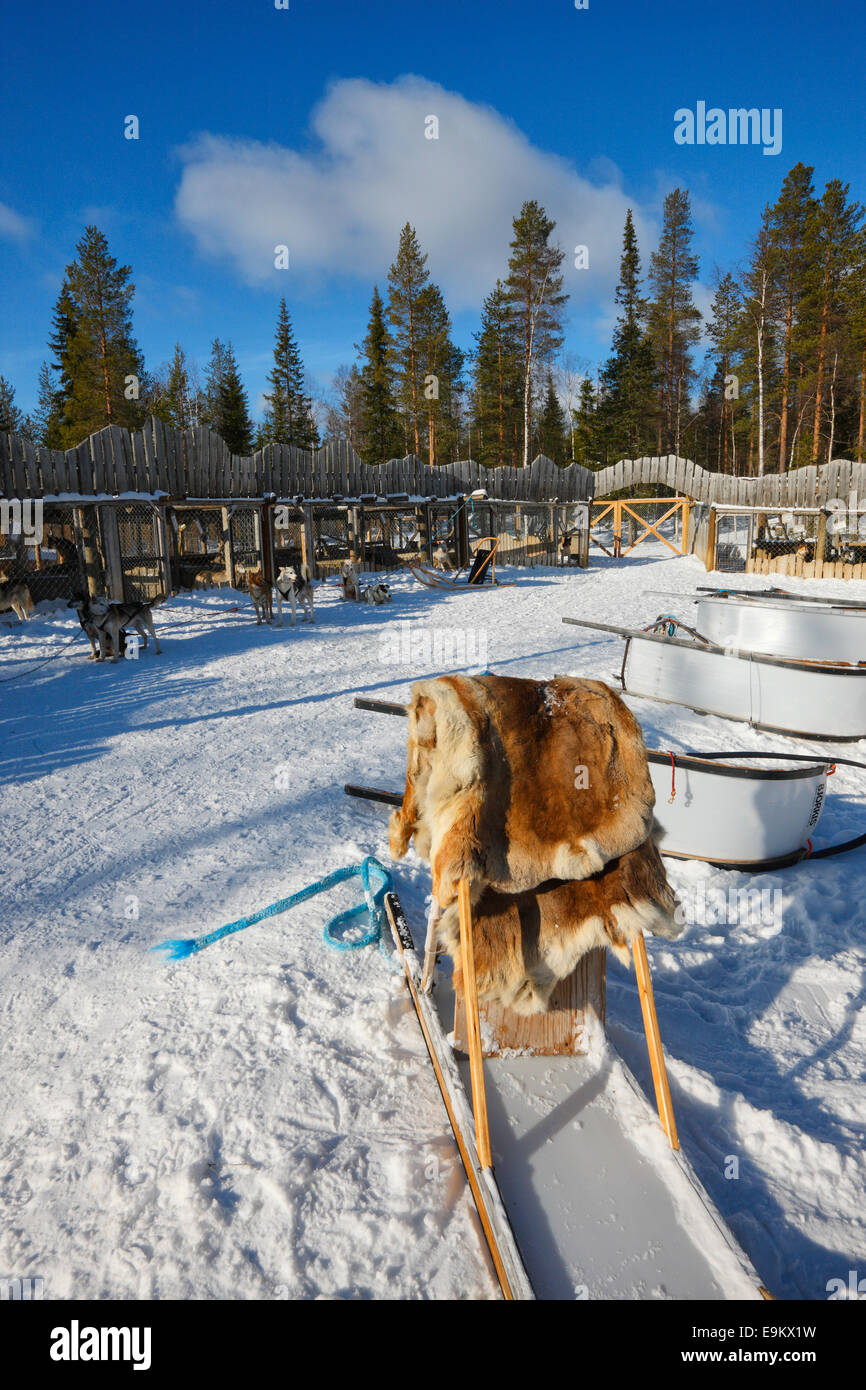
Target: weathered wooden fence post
[710, 560]
[308, 539]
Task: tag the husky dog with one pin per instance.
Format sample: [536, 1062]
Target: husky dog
[260, 593]
[441, 558]
[350, 581]
[17, 597]
[376, 594]
[294, 582]
[106, 624]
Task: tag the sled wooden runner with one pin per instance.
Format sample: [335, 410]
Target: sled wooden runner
[577, 1206]
[507, 1261]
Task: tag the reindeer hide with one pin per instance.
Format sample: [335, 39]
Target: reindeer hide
[525, 943]
[511, 783]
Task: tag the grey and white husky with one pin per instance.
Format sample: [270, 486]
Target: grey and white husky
[106, 623]
[294, 582]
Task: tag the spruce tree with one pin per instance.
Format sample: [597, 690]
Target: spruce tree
[552, 432]
[177, 401]
[497, 415]
[834, 248]
[674, 320]
[226, 410]
[380, 437]
[724, 330]
[536, 297]
[47, 418]
[790, 218]
[11, 418]
[585, 434]
[288, 413]
[628, 376]
[408, 277]
[94, 343]
[441, 370]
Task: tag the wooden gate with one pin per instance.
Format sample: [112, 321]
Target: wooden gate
[676, 507]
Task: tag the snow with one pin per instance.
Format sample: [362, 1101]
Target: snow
[261, 1121]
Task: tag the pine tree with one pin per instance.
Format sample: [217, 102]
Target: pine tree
[47, 418]
[442, 366]
[344, 412]
[536, 298]
[94, 344]
[497, 415]
[834, 248]
[674, 320]
[585, 434]
[380, 436]
[226, 410]
[552, 432]
[177, 401]
[790, 218]
[628, 375]
[408, 277]
[289, 412]
[11, 418]
[719, 406]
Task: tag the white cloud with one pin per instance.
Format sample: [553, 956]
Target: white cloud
[340, 204]
[13, 225]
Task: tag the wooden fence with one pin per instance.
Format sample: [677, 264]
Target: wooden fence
[196, 463]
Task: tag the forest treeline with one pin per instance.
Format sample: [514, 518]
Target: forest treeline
[782, 382]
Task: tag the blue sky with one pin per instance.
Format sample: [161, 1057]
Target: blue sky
[305, 127]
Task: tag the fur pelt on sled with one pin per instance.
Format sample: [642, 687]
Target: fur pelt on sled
[513, 782]
[526, 942]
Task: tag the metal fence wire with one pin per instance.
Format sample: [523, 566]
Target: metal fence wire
[846, 536]
[392, 536]
[198, 540]
[142, 563]
[331, 541]
[65, 561]
[245, 540]
[288, 536]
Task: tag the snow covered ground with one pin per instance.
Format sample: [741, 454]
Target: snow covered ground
[261, 1121]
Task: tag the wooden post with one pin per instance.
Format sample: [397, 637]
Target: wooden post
[821, 543]
[653, 1041]
[473, 1025]
[161, 531]
[686, 514]
[113, 565]
[462, 539]
[308, 541]
[353, 527]
[266, 531]
[710, 559]
[228, 548]
[89, 550]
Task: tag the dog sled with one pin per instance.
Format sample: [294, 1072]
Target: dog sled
[807, 699]
[483, 565]
[735, 810]
[580, 1192]
[781, 595]
[784, 627]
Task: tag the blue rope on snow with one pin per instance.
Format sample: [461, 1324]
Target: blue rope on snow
[180, 948]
